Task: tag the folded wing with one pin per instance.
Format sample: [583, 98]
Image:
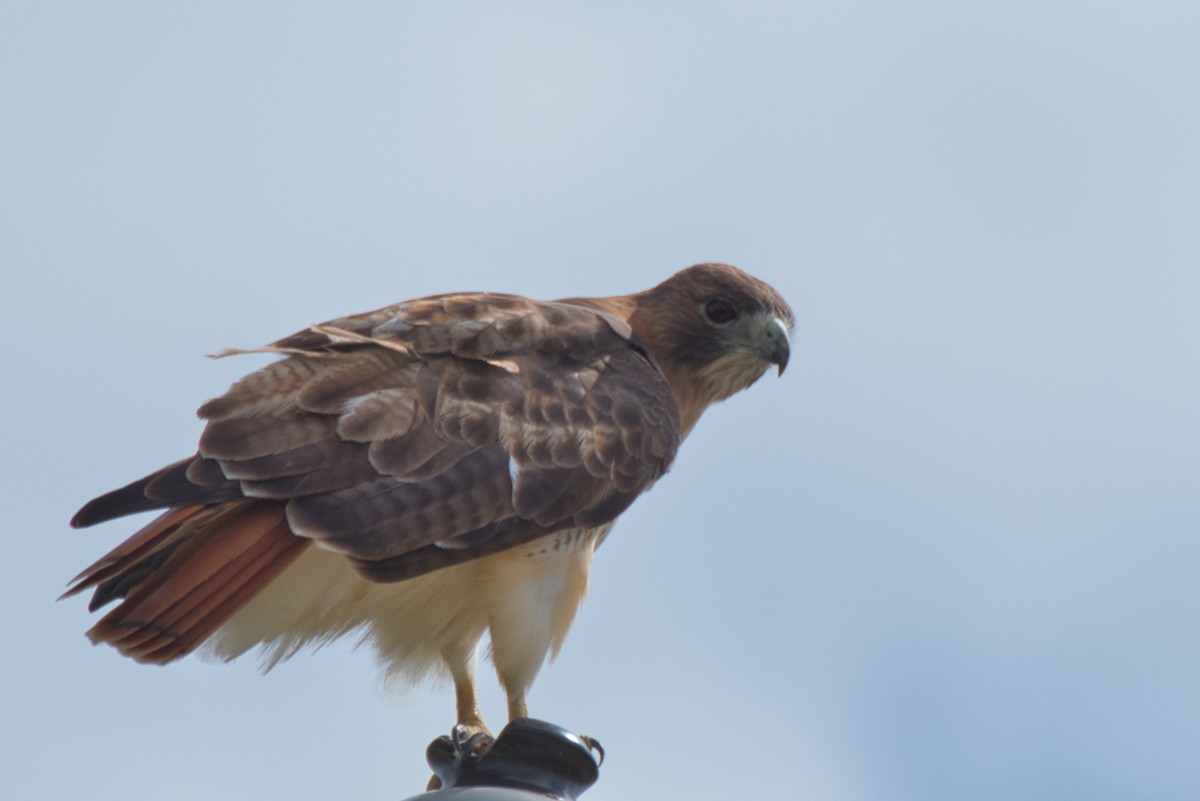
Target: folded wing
[420, 435]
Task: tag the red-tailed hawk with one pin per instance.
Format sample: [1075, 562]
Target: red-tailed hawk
[455, 460]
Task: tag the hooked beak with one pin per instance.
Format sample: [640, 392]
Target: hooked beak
[777, 345]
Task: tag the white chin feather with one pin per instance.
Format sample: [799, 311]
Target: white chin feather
[732, 373]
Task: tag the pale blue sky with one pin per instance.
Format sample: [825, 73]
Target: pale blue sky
[951, 554]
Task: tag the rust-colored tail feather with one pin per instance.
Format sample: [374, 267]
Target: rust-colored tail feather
[217, 559]
[153, 538]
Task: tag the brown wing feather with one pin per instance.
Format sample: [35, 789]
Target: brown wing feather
[390, 517]
[393, 437]
[293, 462]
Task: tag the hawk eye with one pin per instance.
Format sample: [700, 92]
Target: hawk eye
[720, 311]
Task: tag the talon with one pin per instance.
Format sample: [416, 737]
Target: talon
[470, 743]
[594, 745]
[477, 745]
[459, 735]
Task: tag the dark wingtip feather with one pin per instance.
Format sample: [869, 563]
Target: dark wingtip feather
[127, 500]
[173, 485]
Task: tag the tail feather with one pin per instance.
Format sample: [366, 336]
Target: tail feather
[150, 539]
[202, 622]
[221, 557]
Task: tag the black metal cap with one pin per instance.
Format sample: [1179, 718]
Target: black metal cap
[528, 755]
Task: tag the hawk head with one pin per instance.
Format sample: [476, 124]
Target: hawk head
[714, 331]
